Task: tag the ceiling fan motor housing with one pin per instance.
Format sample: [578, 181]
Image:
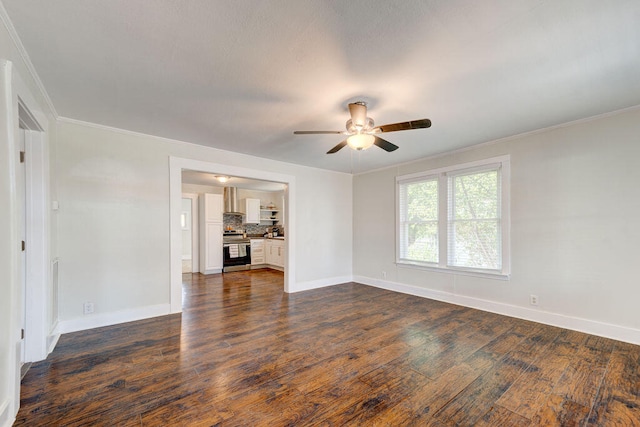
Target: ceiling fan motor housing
[354, 128]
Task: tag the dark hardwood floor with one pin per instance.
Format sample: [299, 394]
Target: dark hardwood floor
[243, 353]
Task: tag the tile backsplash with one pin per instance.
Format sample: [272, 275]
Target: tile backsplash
[235, 222]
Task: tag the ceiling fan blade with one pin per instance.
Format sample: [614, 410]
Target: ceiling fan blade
[317, 132]
[337, 147]
[358, 111]
[414, 124]
[384, 144]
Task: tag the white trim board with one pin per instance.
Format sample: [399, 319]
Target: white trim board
[111, 318]
[607, 330]
[17, 42]
[5, 419]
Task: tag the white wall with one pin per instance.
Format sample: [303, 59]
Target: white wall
[114, 240]
[575, 229]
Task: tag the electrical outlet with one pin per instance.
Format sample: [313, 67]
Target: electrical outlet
[384, 274]
[88, 307]
[533, 299]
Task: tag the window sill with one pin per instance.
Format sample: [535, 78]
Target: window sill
[459, 271]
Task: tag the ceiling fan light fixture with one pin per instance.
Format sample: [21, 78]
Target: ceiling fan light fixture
[361, 141]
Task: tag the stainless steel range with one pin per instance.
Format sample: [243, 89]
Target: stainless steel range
[236, 251]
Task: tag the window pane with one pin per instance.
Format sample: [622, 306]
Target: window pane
[476, 244]
[419, 221]
[475, 195]
[422, 201]
[474, 220]
[422, 242]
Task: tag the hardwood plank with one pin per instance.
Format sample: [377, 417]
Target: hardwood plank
[419, 407]
[478, 397]
[582, 378]
[560, 411]
[617, 402]
[500, 416]
[529, 392]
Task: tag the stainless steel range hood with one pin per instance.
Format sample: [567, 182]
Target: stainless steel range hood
[231, 201]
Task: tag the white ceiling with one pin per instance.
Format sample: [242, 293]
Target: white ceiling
[242, 75]
[204, 178]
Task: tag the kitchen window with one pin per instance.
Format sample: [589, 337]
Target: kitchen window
[456, 219]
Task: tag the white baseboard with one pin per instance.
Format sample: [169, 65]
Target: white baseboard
[5, 419]
[616, 332]
[97, 320]
[321, 283]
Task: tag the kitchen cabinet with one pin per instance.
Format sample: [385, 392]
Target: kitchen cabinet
[251, 210]
[274, 252]
[257, 252]
[213, 248]
[268, 251]
[210, 209]
[278, 250]
[213, 207]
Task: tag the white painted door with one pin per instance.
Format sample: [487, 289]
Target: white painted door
[21, 189]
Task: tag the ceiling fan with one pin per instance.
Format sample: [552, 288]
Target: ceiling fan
[362, 132]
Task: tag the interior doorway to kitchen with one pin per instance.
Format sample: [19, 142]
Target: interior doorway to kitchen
[176, 168]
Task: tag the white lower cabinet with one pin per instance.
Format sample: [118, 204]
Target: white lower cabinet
[257, 252]
[211, 248]
[268, 251]
[274, 252]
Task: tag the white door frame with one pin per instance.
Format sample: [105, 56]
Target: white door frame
[21, 107]
[176, 166]
[38, 292]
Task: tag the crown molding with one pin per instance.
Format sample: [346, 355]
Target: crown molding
[4, 17]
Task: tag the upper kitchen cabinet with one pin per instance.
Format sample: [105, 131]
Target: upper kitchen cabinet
[251, 210]
[213, 207]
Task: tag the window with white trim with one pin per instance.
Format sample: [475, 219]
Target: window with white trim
[456, 218]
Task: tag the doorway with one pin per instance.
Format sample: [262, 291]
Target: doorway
[38, 304]
[176, 167]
